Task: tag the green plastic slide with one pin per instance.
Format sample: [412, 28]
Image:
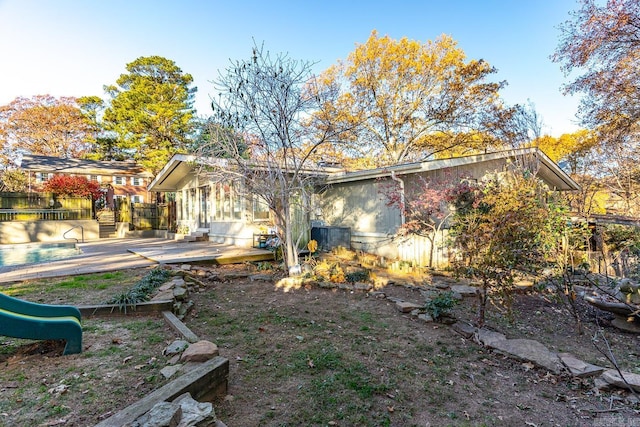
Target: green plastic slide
[23, 319]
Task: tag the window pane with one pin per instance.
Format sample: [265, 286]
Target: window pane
[237, 204]
[260, 210]
[226, 205]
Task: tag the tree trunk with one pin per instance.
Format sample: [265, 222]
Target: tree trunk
[290, 254]
[482, 304]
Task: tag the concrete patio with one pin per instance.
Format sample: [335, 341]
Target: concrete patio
[118, 254]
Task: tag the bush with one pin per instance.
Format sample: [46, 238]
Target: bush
[357, 276]
[440, 305]
[141, 291]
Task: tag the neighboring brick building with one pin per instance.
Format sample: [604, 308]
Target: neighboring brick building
[117, 179]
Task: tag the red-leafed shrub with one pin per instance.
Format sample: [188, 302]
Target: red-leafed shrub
[79, 186]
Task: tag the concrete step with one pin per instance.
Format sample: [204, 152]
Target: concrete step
[107, 231]
[195, 236]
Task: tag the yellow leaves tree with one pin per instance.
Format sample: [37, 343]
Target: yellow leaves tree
[399, 96]
[582, 155]
[570, 147]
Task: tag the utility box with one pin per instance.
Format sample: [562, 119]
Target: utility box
[331, 237]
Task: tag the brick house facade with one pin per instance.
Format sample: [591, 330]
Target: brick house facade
[117, 179]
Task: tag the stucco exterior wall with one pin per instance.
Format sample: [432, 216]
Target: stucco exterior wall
[47, 231]
[362, 206]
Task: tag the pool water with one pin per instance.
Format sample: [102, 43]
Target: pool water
[30, 253]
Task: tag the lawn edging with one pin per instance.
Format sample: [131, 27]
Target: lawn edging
[141, 308]
[203, 382]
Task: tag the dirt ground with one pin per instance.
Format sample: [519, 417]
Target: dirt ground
[327, 357]
[426, 374]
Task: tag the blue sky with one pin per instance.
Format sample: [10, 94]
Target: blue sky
[74, 47]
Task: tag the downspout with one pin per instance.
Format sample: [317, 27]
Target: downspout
[402, 198]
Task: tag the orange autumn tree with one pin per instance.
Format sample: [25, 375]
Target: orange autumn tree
[44, 125]
[395, 95]
[78, 186]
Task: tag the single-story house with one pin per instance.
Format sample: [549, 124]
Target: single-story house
[350, 202]
[118, 179]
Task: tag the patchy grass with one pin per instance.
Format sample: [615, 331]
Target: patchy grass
[318, 357]
[75, 289]
[121, 360]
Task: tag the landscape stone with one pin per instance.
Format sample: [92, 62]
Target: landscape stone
[531, 351]
[578, 368]
[184, 309]
[236, 275]
[345, 286]
[178, 346]
[360, 286]
[456, 296]
[166, 295]
[184, 411]
[429, 294]
[601, 384]
[200, 351]
[611, 376]
[163, 414]
[623, 324]
[425, 317]
[464, 290]
[178, 281]
[377, 294]
[185, 267]
[488, 337]
[195, 413]
[464, 329]
[180, 293]
[406, 285]
[261, 277]
[214, 275]
[169, 371]
[327, 285]
[407, 307]
[166, 287]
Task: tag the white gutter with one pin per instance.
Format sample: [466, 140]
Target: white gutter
[402, 196]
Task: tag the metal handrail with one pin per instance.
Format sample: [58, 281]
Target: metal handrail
[64, 235]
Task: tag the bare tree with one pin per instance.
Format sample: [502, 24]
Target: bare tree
[260, 136]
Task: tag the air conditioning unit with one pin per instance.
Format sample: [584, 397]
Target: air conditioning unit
[331, 237]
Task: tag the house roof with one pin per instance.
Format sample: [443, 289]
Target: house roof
[180, 165]
[80, 166]
[549, 171]
[172, 173]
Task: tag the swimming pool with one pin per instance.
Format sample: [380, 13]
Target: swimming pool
[30, 253]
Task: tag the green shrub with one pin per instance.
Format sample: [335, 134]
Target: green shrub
[440, 305]
[142, 290]
[357, 276]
